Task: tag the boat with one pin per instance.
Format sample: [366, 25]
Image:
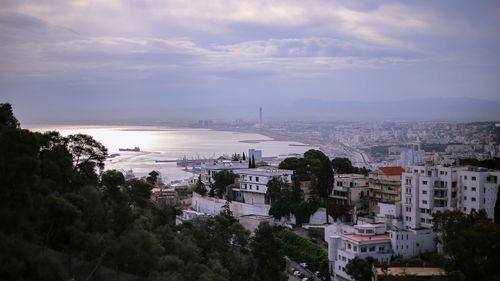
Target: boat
[135, 149]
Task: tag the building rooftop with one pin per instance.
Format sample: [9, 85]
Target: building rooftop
[265, 170]
[392, 171]
[417, 271]
[367, 238]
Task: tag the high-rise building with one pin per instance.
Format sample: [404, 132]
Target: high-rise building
[260, 117]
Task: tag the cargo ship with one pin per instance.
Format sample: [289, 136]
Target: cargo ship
[135, 149]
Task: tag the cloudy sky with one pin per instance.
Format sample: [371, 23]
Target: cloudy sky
[152, 60]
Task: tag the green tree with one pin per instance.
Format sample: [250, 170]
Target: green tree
[222, 180]
[268, 252]
[88, 155]
[360, 269]
[244, 158]
[275, 189]
[343, 166]
[321, 167]
[111, 180]
[152, 177]
[200, 187]
[7, 117]
[471, 242]
[139, 192]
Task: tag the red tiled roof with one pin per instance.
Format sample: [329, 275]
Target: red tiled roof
[367, 238]
[392, 171]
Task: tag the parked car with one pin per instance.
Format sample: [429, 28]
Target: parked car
[303, 264]
[298, 274]
[317, 273]
[305, 279]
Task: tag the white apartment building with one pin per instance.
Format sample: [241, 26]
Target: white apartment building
[429, 189]
[366, 240]
[411, 242]
[253, 183]
[209, 169]
[478, 190]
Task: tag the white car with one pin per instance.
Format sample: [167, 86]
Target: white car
[303, 264]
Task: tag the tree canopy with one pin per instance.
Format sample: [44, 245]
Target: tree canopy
[52, 195]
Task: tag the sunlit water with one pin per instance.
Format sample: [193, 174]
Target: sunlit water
[159, 143]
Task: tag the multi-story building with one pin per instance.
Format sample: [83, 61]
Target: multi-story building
[366, 240]
[478, 190]
[412, 242]
[429, 189]
[349, 189]
[209, 169]
[253, 183]
[384, 187]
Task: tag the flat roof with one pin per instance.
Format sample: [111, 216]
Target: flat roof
[417, 271]
[367, 238]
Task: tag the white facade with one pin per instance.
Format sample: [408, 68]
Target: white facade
[478, 190]
[366, 240]
[429, 189]
[412, 242]
[209, 169]
[253, 183]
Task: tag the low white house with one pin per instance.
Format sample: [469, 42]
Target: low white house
[253, 183]
[366, 240]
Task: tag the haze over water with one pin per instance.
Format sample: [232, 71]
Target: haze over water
[161, 143]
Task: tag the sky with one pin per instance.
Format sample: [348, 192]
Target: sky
[124, 60]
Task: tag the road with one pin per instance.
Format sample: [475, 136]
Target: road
[307, 273]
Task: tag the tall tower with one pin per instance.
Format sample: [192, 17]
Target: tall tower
[260, 117]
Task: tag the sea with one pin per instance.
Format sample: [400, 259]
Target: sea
[163, 144]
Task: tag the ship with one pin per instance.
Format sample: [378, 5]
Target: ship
[135, 149]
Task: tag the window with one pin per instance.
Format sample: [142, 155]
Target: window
[355, 248]
[250, 187]
[473, 199]
[473, 188]
[245, 186]
[381, 248]
[453, 184]
[441, 172]
[465, 209]
[484, 201]
[257, 187]
[424, 191]
[465, 177]
[465, 187]
[422, 220]
[249, 177]
[256, 178]
[473, 178]
[348, 246]
[422, 210]
[429, 173]
[424, 182]
[372, 249]
[465, 198]
[424, 201]
[363, 249]
[472, 210]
